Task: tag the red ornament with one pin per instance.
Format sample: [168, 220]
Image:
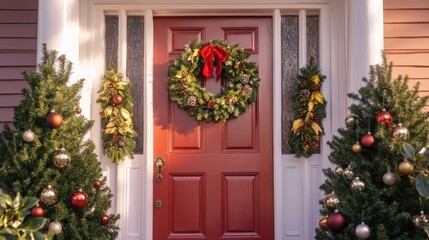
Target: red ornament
[37, 211]
[78, 110]
[384, 117]
[97, 184]
[336, 222]
[105, 220]
[367, 140]
[54, 120]
[79, 199]
[117, 99]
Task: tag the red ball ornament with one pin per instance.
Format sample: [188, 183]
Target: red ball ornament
[336, 222]
[97, 184]
[54, 120]
[117, 99]
[79, 199]
[384, 117]
[367, 140]
[78, 110]
[105, 220]
[37, 211]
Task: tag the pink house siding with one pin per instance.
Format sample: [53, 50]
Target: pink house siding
[18, 44]
[406, 39]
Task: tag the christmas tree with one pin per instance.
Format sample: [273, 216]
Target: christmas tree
[371, 193]
[46, 155]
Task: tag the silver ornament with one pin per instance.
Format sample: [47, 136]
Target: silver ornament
[28, 136]
[358, 184]
[389, 178]
[362, 231]
[49, 196]
[348, 173]
[55, 227]
[422, 218]
[401, 132]
[338, 170]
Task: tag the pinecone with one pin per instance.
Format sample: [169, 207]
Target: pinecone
[192, 101]
[302, 111]
[304, 93]
[247, 90]
[211, 103]
[244, 79]
[315, 117]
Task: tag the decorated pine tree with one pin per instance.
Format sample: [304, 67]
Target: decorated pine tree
[371, 193]
[45, 155]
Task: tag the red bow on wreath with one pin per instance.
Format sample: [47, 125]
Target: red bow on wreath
[207, 53]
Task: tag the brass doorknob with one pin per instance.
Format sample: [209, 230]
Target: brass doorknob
[159, 163]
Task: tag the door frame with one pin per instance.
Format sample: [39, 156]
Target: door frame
[332, 59]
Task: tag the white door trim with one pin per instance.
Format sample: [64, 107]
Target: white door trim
[141, 168]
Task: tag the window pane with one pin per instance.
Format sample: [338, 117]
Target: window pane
[290, 68]
[313, 37]
[111, 39]
[135, 67]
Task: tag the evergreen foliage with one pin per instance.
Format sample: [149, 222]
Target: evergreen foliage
[387, 210]
[27, 167]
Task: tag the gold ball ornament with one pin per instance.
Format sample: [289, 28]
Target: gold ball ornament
[348, 173]
[323, 224]
[28, 136]
[49, 196]
[54, 120]
[78, 110]
[357, 184]
[357, 148]
[331, 201]
[405, 167]
[62, 159]
[350, 119]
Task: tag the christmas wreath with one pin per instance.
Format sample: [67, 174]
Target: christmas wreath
[309, 110]
[116, 116]
[232, 65]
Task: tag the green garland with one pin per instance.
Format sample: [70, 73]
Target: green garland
[309, 111]
[117, 116]
[242, 80]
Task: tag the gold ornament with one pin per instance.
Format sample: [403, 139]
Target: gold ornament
[405, 167]
[323, 224]
[349, 120]
[358, 184]
[331, 201]
[62, 159]
[49, 196]
[357, 148]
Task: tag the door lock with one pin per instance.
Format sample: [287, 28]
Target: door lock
[158, 203]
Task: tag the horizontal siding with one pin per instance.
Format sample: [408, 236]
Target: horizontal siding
[401, 4]
[19, 4]
[12, 86]
[18, 16]
[18, 44]
[406, 40]
[406, 30]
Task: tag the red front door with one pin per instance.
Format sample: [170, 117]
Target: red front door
[218, 177]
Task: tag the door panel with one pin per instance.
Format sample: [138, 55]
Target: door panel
[218, 177]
